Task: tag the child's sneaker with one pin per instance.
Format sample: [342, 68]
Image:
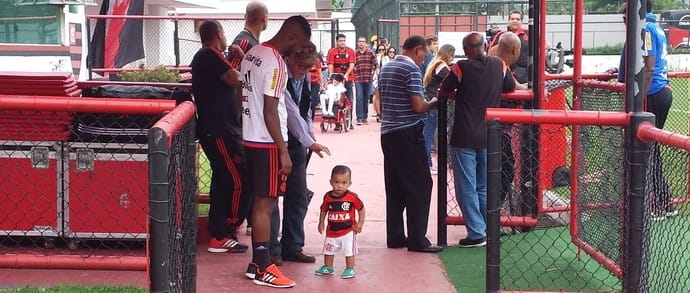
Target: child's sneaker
[225, 245]
[324, 270]
[348, 273]
[272, 277]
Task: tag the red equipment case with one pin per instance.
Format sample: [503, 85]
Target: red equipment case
[30, 201]
[107, 191]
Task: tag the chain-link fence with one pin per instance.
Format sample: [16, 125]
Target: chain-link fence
[77, 191]
[545, 258]
[606, 218]
[173, 198]
[380, 18]
[173, 40]
[666, 213]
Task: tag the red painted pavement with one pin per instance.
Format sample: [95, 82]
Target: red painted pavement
[378, 268]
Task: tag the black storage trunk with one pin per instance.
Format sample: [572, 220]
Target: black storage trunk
[121, 128]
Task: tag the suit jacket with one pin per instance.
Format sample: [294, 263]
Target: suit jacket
[302, 100]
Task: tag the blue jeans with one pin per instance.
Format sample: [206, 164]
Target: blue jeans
[362, 90]
[429, 131]
[469, 172]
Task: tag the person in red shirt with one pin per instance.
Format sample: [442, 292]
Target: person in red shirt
[341, 59]
[520, 67]
[339, 207]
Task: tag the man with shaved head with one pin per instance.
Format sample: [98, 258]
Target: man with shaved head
[475, 84]
[255, 22]
[508, 49]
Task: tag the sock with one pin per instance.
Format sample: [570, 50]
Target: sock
[260, 255]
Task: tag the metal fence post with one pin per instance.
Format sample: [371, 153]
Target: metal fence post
[442, 165]
[158, 211]
[493, 207]
[176, 42]
[87, 25]
[636, 241]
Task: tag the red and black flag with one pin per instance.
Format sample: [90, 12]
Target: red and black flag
[117, 41]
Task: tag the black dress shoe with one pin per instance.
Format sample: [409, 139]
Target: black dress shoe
[299, 257]
[428, 249]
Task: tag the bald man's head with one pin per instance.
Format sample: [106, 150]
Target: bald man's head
[509, 47]
[256, 13]
[473, 45]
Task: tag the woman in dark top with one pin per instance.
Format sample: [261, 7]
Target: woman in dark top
[436, 71]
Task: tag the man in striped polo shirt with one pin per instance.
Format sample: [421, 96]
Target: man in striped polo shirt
[406, 172]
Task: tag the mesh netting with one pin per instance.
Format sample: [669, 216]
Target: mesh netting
[544, 256]
[600, 178]
[667, 217]
[183, 211]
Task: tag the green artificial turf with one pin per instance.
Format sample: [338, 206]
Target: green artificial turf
[546, 259]
[204, 173]
[538, 260]
[466, 268]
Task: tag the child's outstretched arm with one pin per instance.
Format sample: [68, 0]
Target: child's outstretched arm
[360, 221]
[322, 219]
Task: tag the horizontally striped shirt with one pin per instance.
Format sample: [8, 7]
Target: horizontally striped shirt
[399, 80]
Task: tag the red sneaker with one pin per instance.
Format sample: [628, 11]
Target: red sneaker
[225, 245]
[272, 277]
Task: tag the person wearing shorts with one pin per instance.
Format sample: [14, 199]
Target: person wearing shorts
[339, 206]
[264, 135]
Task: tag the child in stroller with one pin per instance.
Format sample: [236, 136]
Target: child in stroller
[336, 108]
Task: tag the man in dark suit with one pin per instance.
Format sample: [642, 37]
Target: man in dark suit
[300, 138]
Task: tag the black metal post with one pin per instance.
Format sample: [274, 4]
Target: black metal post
[159, 219]
[442, 177]
[637, 237]
[634, 69]
[88, 47]
[493, 207]
[176, 42]
[529, 134]
[378, 33]
[335, 29]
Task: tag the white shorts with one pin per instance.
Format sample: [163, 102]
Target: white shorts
[347, 243]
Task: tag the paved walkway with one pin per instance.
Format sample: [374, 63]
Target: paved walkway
[378, 268]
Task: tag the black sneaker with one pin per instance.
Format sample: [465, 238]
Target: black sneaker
[251, 271]
[467, 243]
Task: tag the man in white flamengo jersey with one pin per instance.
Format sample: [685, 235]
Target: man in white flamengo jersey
[264, 133]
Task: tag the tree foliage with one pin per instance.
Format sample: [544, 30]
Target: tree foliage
[608, 6]
[430, 7]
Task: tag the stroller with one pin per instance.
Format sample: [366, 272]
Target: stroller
[341, 120]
